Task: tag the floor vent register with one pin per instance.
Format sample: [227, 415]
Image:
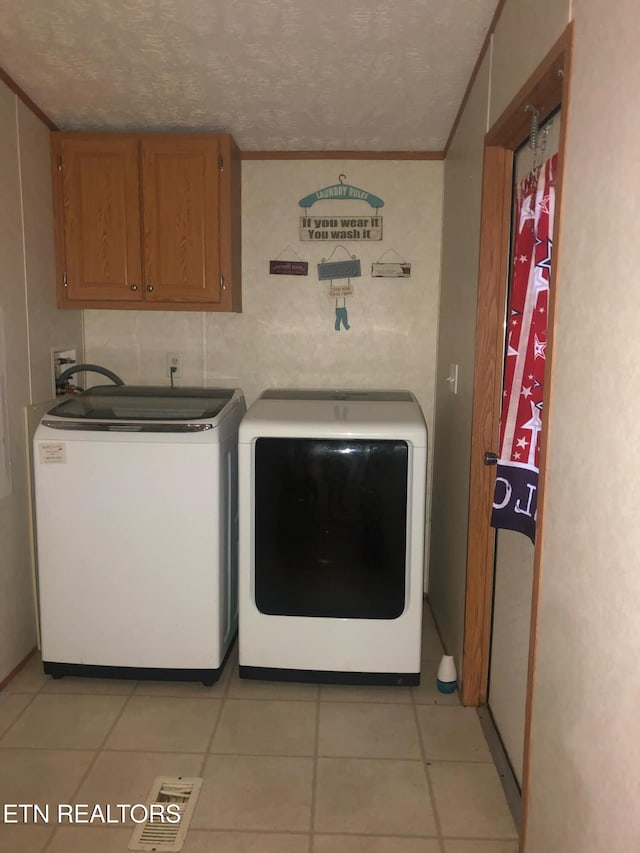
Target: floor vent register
[170, 805]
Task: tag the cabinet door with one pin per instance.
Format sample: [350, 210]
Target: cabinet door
[101, 209]
[180, 187]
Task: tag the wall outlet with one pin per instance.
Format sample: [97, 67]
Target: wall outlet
[174, 359]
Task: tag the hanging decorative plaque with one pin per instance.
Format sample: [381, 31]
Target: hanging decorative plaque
[397, 268]
[345, 288]
[338, 269]
[288, 267]
[341, 191]
[340, 228]
[390, 270]
[348, 227]
[281, 267]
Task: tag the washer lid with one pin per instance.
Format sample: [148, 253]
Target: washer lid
[144, 403]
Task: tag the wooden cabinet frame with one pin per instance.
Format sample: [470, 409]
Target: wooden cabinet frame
[228, 241]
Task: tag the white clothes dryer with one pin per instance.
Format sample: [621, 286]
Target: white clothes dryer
[331, 560]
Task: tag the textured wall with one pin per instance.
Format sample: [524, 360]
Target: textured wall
[48, 327]
[456, 344]
[31, 326]
[519, 43]
[586, 744]
[16, 611]
[285, 335]
[525, 32]
[522, 37]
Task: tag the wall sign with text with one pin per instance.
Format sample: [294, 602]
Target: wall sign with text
[288, 267]
[349, 226]
[387, 267]
[280, 266]
[340, 228]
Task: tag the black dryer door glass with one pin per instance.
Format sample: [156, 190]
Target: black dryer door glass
[330, 527]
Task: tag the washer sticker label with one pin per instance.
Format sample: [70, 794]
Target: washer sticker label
[52, 451]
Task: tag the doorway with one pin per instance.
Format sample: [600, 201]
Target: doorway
[514, 552]
[546, 90]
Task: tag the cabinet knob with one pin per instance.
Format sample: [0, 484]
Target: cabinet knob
[133, 287]
[150, 288]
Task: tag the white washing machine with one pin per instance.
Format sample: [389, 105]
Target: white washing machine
[331, 559]
[136, 516]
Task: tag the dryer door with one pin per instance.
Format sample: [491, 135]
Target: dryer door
[331, 527]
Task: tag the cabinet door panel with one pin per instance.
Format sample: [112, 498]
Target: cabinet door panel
[180, 214]
[101, 219]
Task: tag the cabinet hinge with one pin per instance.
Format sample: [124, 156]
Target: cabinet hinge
[223, 286]
[59, 162]
[64, 279]
[221, 162]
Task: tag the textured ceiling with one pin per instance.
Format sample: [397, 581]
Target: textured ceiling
[277, 74]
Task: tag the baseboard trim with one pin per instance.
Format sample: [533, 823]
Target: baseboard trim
[427, 603]
[17, 669]
[508, 779]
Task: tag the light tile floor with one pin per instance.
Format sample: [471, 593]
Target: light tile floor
[287, 768]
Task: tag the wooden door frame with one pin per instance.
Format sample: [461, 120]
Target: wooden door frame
[546, 89]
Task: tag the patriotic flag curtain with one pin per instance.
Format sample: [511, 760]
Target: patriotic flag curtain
[516, 490]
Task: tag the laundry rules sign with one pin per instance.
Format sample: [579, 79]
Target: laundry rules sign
[321, 228]
[516, 490]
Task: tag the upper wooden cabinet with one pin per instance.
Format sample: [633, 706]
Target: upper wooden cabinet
[147, 221]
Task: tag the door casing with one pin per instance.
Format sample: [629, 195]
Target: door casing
[546, 89]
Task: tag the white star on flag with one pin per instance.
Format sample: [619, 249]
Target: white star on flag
[526, 212]
[522, 442]
[523, 259]
[545, 263]
[526, 392]
[539, 348]
[540, 280]
[544, 204]
[535, 425]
